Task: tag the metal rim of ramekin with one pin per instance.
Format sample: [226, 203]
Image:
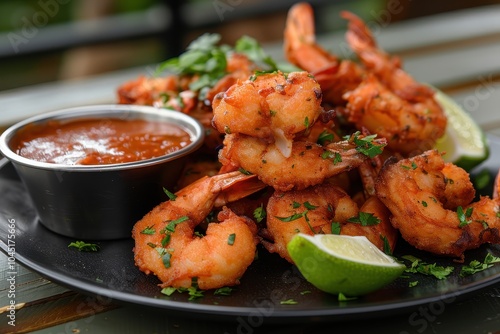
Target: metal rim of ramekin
[189, 124]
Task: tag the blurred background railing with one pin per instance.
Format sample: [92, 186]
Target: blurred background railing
[51, 40]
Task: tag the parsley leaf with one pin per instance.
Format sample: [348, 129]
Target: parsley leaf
[84, 246]
[463, 216]
[335, 228]
[365, 144]
[365, 219]
[421, 267]
[324, 137]
[259, 213]
[476, 266]
[288, 302]
[231, 238]
[203, 58]
[252, 49]
[343, 298]
[224, 291]
[149, 230]
[170, 195]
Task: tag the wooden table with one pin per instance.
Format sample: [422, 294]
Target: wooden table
[456, 52]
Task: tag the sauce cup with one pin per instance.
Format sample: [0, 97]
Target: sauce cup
[100, 202]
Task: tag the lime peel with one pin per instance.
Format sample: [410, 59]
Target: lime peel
[336, 264]
[464, 142]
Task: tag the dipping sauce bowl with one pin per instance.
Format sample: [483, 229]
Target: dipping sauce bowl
[94, 183]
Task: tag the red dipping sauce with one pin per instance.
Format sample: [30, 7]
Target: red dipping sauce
[98, 141]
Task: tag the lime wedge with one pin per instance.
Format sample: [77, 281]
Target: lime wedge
[351, 265]
[464, 142]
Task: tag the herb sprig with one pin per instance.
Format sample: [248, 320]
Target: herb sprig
[84, 246]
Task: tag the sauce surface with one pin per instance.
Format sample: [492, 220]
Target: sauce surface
[98, 141]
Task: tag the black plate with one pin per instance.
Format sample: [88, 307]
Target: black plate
[110, 273]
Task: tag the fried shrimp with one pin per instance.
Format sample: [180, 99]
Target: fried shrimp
[325, 209]
[389, 101]
[271, 106]
[408, 127]
[430, 202]
[335, 76]
[309, 163]
[310, 211]
[165, 243]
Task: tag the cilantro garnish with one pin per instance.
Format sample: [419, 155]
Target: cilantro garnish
[365, 219]
[170, 195]
[343, 298]
[324, 137]
[387, 246]
[203, 58]
[193, 292]
[365, 144]
[259, 213]
[288, 302]
[463, 216]
[476, 266]
[224, 291]
[244, 171]
[208, 60]
[252, 49]
[421, 267]
[173, 223]
[334, 156]
[299, 215]
[412, 284]
[149, 230]
[335, 228]
[84, 246]
[231, 238]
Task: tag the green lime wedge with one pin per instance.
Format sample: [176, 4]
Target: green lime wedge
[350, 265]
[464, 142]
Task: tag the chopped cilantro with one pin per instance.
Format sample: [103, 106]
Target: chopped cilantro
[387, 246]
[84, 246]
[421, 267]
[224, 291]
[168, 290]
[335, 228]
[365, 219]
[324, 137]
[476, 266]
[231, 238]
[344, 298]
[288, 302]
[203, 58]
[259, 213]
[463, 216]
[244, 171]
[170, 195]
[365, 144]
[252, 49]
[148, 230]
